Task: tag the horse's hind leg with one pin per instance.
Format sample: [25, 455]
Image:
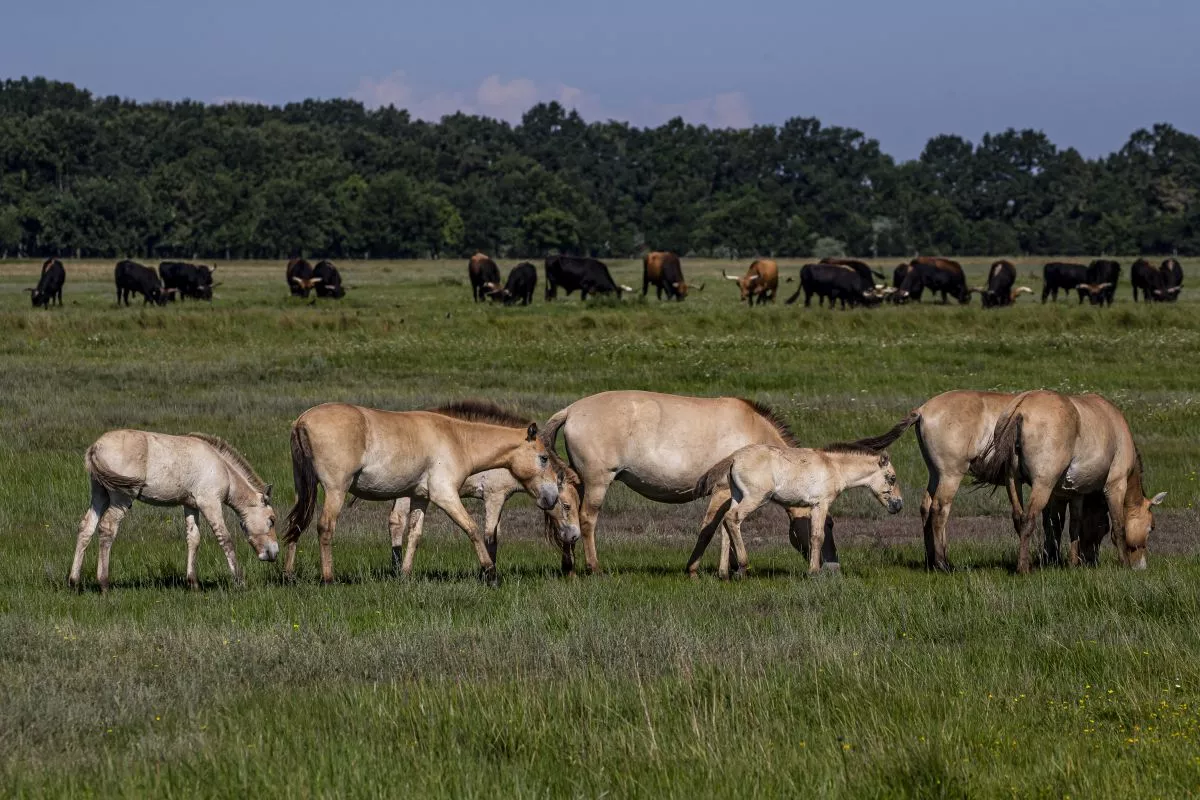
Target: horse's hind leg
[718, 505]
[87, 527]
[193, 544]
[493, 509]
[397, 525]
[942, 492]
[416, 526]
[589, 510]
[119, 503]
[1038, 498]
[334, 498]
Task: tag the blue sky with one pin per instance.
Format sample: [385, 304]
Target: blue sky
[1088, 73]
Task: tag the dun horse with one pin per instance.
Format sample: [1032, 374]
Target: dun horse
[660, 445]
[494, 487]
[793, 477]
[1069, 447]
[196, 471]
[422, 455]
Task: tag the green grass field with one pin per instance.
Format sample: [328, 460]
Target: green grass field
[884, 681]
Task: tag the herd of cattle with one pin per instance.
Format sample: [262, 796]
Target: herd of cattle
[837, 280]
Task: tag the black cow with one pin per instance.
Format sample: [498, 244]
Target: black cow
[299, 277]
[938, 275]
[50, 284]
[187, 280]
[1062, 275]
[835, 282]
[1149, 279]
[1102, 278]
[133, 278]
[898, 275]
[328, 281]
[484, 275]
[1172, 279]
[585, 274]
[999, 289]
[522, 280]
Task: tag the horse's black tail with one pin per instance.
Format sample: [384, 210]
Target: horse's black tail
[993, 465]
[305, 479]
[883, 441]
[715, 474]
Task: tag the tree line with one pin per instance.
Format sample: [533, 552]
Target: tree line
[107, 177]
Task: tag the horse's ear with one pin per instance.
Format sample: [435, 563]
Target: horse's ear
[531, 432]
[884, 460]
[267, 491]
[1158, 498]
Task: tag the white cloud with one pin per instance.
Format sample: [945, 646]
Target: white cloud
[509, 100]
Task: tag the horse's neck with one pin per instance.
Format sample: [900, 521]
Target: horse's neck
[490, 446]
[852, 470]
[1134, 493]
[239, 492]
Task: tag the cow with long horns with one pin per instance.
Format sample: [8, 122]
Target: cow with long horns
[760, 282]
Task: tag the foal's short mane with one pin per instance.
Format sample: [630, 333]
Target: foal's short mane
[775, 418]
[237, 459]
[850, 447]
[1134, 490]
[482, 411]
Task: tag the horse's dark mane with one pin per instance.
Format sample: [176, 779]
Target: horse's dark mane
[482, 411]
[1134, 491]
[226, 449]
[775, 418]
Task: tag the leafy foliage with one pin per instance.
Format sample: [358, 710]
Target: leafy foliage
[107, 177]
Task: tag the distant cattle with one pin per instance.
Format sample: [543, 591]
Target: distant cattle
[187, 280]
[522, 280]
[898, 275]
[999, 289]
[837, 282]
[938, 275]
[1102, 278]
[1148, 279]
[300, 278]
[1062, 275]
[1172, 279]
[858, 266]
[50, 284]
[484, 275]
[133, 278]
[760, 283]
[328, 281]
[664, 272]
[587, 275]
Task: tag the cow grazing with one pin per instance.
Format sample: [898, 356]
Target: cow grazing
[898, 275]
[1062, 275]
[484, 275]
[1149, 279]
[857, 266]
[663, 271]
[50, 284]
[1172, 279]
[133, 278]
[760, 283]
[999, 289]
[187, 280]
[938, 275]
[585, 274]
[1101, 285]
[836, 282]
[522, 280]
[328, 281]
[300, 278]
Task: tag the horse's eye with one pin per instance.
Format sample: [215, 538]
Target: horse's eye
[566, 506]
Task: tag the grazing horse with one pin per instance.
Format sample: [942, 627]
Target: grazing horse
[196, 471]
[659, 445]
[422, 455]
[1065, 446]
[793, 477]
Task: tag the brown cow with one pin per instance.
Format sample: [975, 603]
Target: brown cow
[760, 282]
[663, 271]
[484, 275]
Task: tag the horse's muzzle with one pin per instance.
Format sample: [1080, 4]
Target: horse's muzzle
[270, 552]
[895, 505]
[568, 534]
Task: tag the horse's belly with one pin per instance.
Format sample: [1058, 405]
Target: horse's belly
[658, 488]
[382, 484]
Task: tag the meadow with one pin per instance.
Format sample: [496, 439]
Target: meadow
[883, 681]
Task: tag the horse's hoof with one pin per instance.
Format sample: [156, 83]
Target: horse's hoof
[832, 568]
[739, 574]
[489, 576]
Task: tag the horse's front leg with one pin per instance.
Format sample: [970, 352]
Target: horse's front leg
[816, 538]
[800, 535]
[397, 525]
[193, 544]
[216, 521]
[448, 500]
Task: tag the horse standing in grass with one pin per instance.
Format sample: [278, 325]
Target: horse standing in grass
[424, 456]
[196, 471]
[793, 477]
[1069, 447]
